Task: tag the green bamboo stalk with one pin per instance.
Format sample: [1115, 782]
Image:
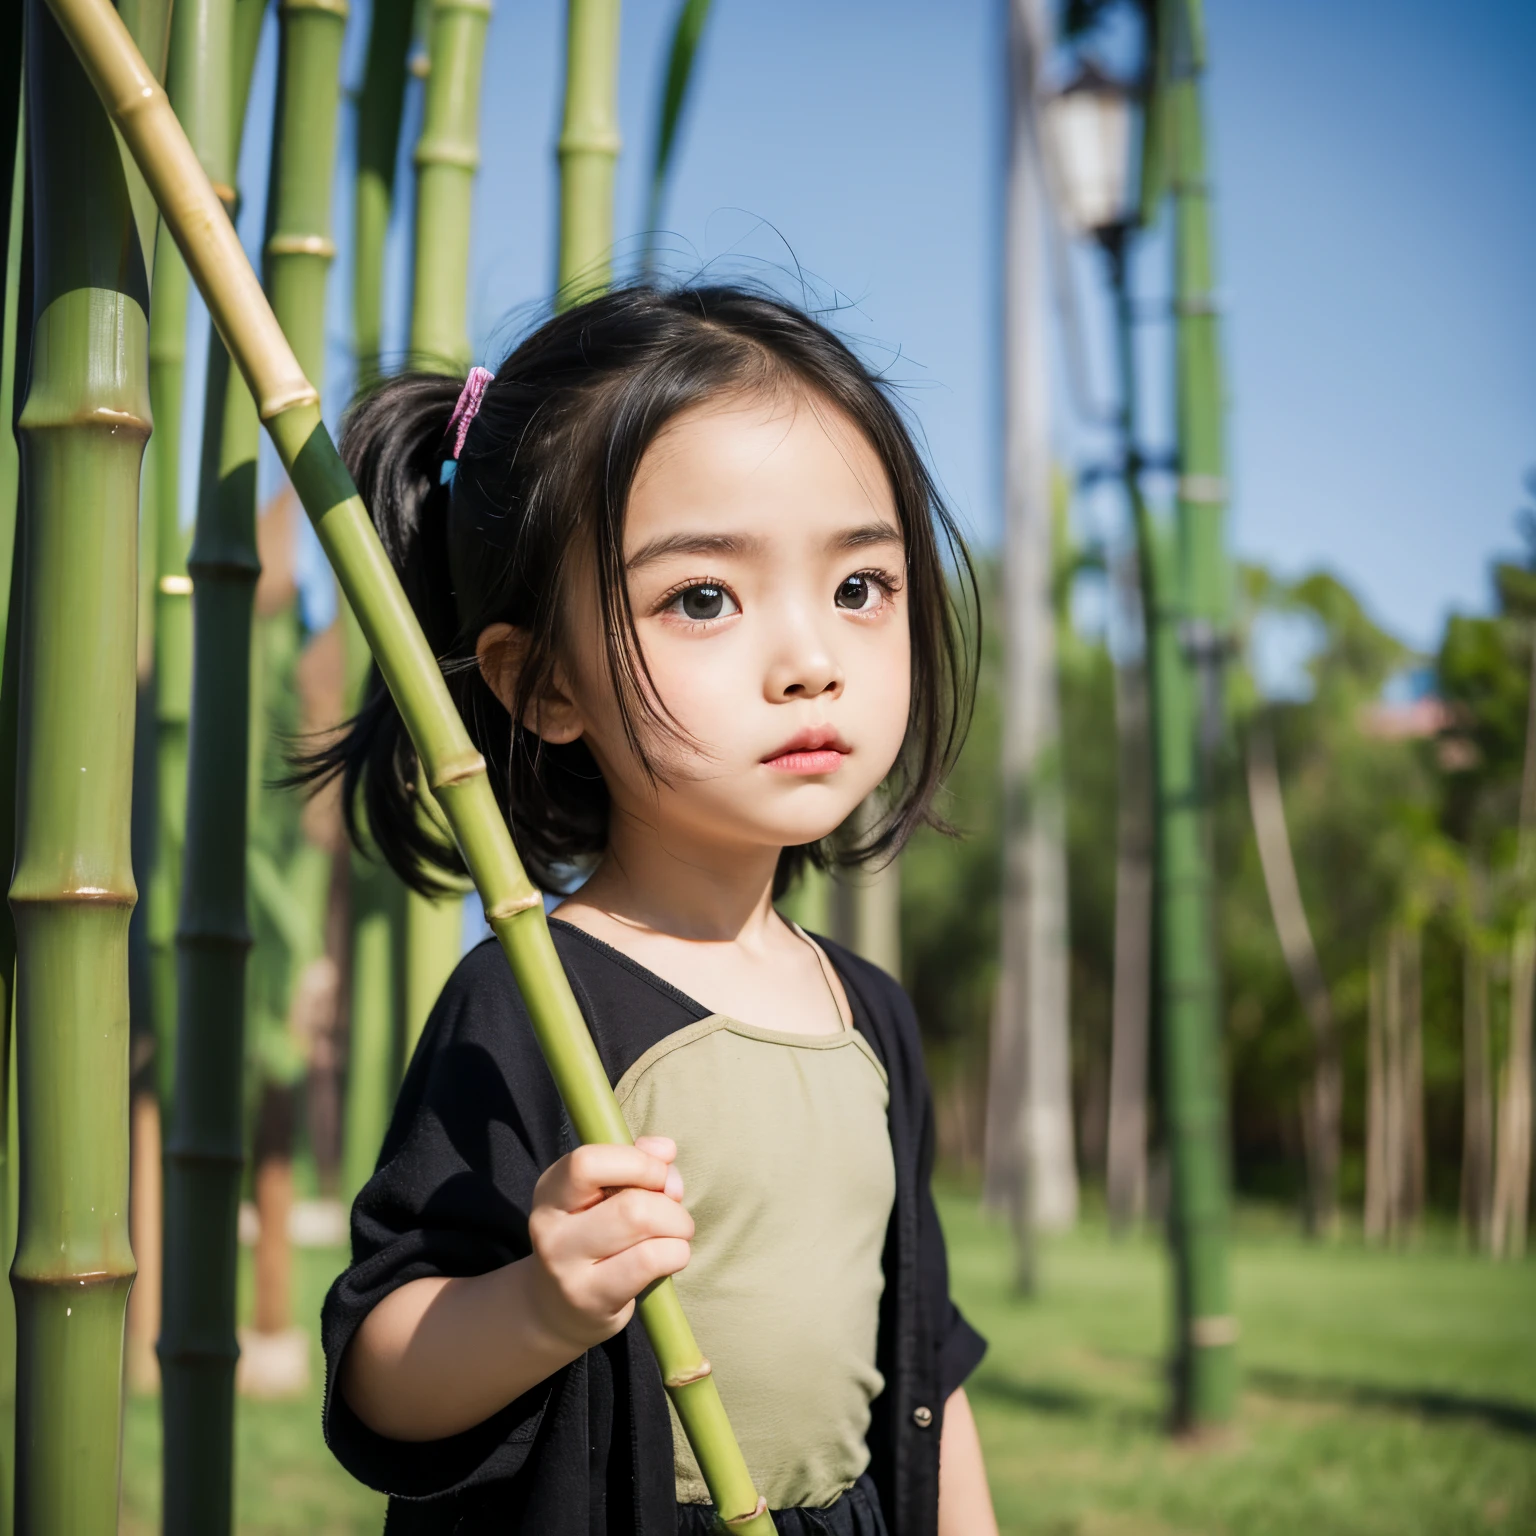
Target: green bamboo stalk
[376, 972]
[149, 22]
[83, 430]
[204, 1151]
[1205, 1357]
[195, 81]
[170, 633]
[452, 769]
[434, 942]
[447, 154]
[1185, 591]
[299, 248]
[686, 35]
[588, 150]
[13, 152]
[373, 1068]
[378, 137]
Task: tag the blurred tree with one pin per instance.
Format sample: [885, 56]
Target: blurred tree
[1485, 671]
[1359, 809]
[1031, 1174]
[1125, 1152]
[949, 908]
[1322, 1104]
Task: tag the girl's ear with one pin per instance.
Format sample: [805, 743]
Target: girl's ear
[551, 714]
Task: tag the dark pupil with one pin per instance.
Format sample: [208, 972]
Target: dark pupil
[854, 593]
[703, 602]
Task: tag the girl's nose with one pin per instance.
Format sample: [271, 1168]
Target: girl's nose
[804, 668]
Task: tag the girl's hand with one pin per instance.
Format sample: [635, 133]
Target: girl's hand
[606, 1222]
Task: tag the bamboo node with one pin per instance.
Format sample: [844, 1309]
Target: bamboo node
[302, 393]
[590, 142]
[435, 152]
[1203, 490]
[60, 1280]
[97, 416]
[106, 414]
[419, 66]
[510, 906]
[301, 245]
[334, 7]
[175, 586]
[688, 1375]
[1212, 1332]
[757, 1513]
[458, 772]
[73, 896]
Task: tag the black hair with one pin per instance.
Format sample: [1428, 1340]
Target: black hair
[548, 461]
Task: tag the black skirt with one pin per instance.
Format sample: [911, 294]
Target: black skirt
[856, 1513]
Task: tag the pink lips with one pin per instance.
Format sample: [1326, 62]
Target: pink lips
[818, 749]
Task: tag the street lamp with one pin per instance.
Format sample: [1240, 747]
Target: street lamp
[1086, 133]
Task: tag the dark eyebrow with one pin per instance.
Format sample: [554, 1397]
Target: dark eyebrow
[866, 533]
[693, 544]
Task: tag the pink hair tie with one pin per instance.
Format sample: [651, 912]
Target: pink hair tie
[468, 407]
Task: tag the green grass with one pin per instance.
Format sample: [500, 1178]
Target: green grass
[1384, 1393]
[285, 1479]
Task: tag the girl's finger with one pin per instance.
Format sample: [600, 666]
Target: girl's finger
[620, 1279]
[630, 1217]
[666, 1149]
[581, 1178]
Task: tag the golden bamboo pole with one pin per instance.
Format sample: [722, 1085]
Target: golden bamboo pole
[452, 768]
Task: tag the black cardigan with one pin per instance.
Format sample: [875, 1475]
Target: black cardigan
[589, 1451]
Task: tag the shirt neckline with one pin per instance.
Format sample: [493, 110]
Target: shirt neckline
[661, 984]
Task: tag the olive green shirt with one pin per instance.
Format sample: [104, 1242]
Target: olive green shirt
[787, 1167]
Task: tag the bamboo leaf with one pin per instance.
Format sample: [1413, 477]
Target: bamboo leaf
[686, 34]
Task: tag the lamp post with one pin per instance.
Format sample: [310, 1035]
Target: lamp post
[1087, 127]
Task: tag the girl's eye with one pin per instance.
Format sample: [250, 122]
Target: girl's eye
[857, 592]
[703, 602]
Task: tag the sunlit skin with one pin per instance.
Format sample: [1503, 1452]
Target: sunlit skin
[767, 577]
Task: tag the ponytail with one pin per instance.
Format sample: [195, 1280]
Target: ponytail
[392, 440]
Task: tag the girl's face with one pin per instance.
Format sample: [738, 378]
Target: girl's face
[766, 575]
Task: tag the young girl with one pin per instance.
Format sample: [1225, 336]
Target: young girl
[683, 568]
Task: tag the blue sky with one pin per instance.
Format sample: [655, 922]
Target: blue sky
[1375, 218]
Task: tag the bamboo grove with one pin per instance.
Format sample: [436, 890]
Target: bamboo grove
[205, 977]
